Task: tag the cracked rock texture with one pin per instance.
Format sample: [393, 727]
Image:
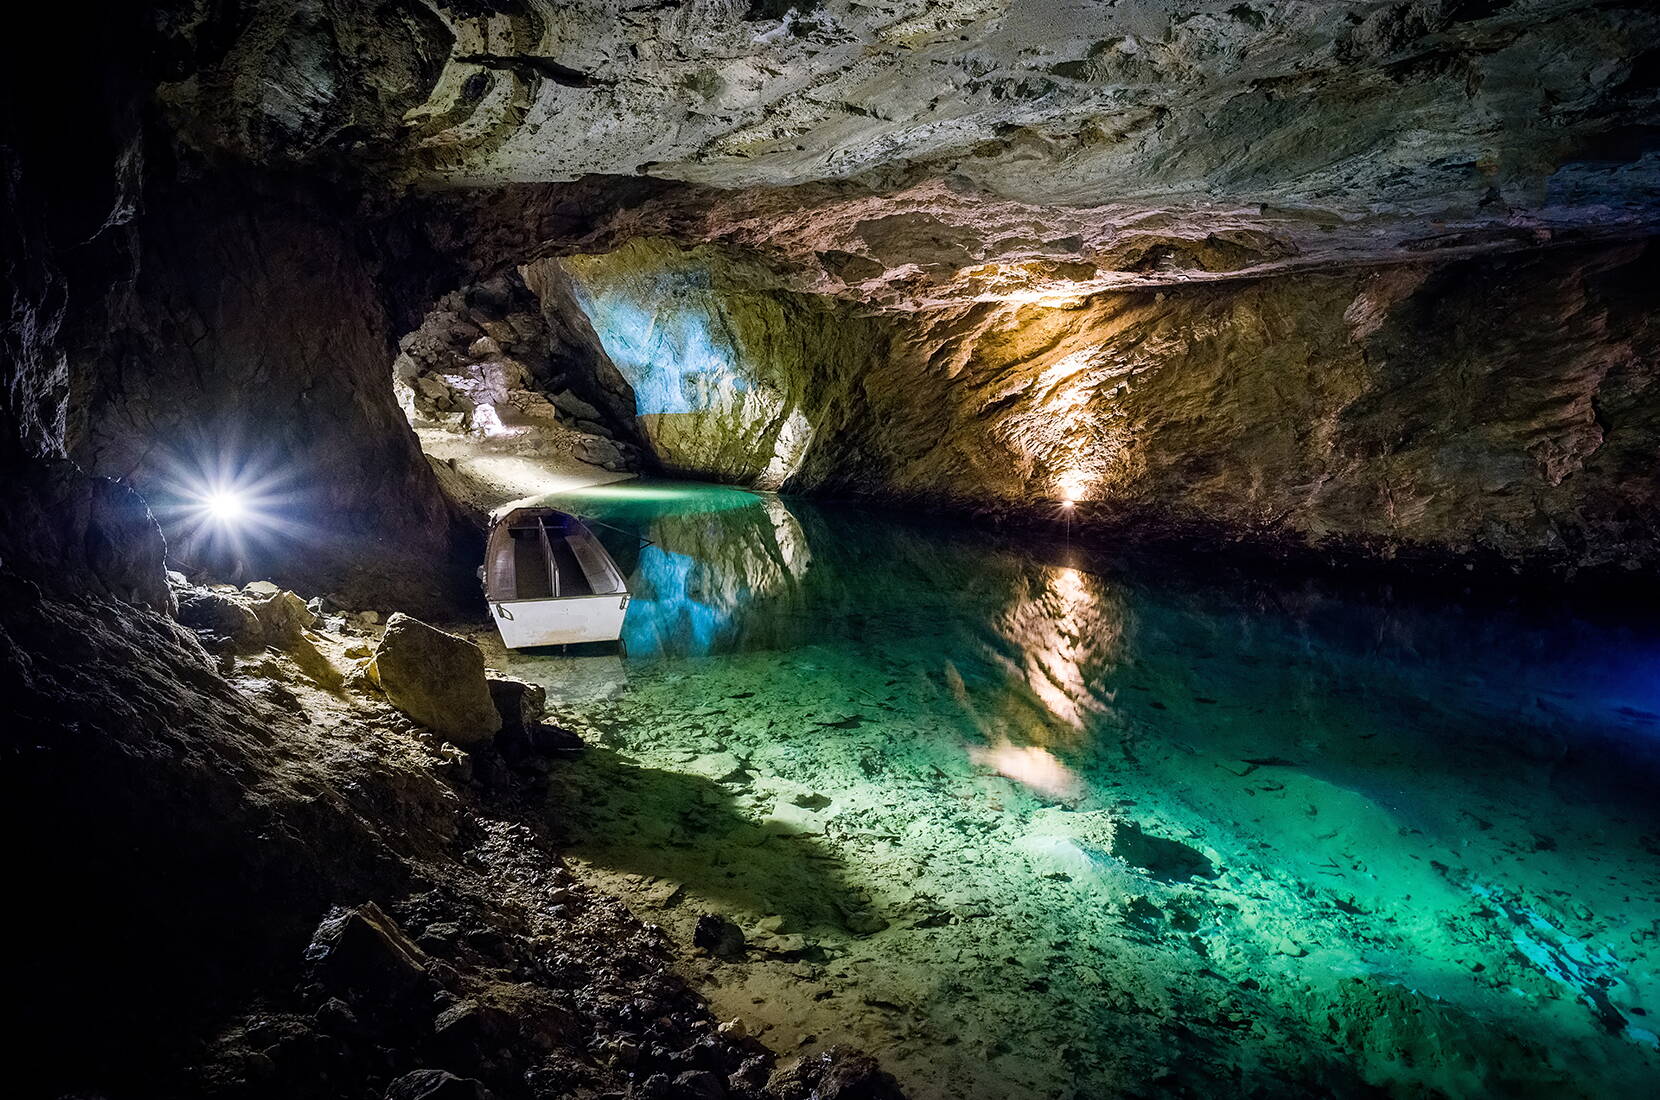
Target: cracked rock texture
[1050, 146]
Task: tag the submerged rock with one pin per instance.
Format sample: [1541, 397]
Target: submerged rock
[720, 937]
[435, 678]
[1169, 860]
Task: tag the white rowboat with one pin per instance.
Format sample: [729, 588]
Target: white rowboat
[550, 582]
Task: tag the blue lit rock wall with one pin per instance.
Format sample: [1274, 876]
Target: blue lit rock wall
[726, 370]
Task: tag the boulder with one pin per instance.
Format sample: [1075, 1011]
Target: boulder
[596, 451]
[1163, 859]
[216, 613]
[719, 936]
[281, 620]
[519, 702]
[435, 678]
[283, 617]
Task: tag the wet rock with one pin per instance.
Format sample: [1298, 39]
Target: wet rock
[719, 936]
[865, 922]
[547, 739]
[435, 678]
[436, 1084]
[1285, 945]
[840, 1073]
[722, 767]
[789, 819]
[789, 946]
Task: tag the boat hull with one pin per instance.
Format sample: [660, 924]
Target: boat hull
[525, 623]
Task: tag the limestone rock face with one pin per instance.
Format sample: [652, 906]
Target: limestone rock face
[1028, 145]
[1504, 408]
[720, 361]
[251, 347]
[1482, 407]
[1316, 274]
[435, 678]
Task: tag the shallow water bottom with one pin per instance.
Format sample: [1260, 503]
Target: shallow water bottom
[1032, 825]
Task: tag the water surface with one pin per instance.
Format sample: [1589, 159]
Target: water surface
[1030, 824]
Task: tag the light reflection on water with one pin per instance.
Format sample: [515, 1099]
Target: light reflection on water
[1363, 774]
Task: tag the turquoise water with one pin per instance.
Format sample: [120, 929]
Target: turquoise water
[1032, 824]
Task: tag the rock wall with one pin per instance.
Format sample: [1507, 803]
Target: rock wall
[943, 254]
[721, 362]
[1505, 407]
[249, 349]
[1493, 407]
[488, 364]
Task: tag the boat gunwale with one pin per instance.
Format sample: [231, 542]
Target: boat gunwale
[624, 595]
[503, 524]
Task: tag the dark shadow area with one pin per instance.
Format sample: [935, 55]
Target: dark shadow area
[687, 828]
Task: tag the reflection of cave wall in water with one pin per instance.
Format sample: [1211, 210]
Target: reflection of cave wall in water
[721, 363]
[702, 571]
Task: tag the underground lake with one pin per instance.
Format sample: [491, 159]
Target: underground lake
[1036, 823]
[831, 550]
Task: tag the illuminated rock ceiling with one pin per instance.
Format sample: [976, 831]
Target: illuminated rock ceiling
[917, 152]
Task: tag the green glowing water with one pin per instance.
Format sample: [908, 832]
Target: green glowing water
[1030, 828]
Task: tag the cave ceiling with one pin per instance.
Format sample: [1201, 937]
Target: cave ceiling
[914, 152]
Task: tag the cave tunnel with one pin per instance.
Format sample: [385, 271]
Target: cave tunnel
[838, 549]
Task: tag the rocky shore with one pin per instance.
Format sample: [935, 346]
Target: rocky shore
[302, 890]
